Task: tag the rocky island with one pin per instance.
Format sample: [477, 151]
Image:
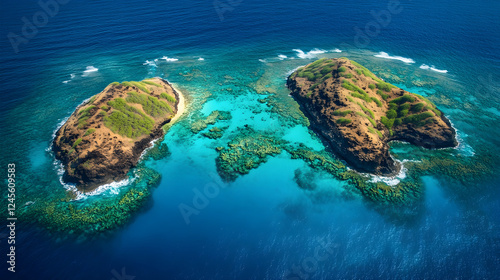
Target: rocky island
[105, 137]
[357, 114]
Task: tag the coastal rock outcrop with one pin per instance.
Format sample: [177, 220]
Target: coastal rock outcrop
[357, 114]
[105, 137]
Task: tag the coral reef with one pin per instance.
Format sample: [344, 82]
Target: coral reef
[105, 137]
[67, 215]
[246, 151]
[211, 119]
[250, 148]
[215, 132]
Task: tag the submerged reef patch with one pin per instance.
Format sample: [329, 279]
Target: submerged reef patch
[203, 123]
[97, 215]
[250, 148]
[215, 132]
[246, 151]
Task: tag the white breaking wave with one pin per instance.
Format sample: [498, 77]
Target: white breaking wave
[427, 67]
[67, 81]
[150, 63]
[311, 54]
[336, 51]
[462, 146]
[169, 59]
[59, 125]
[88, 70]
[91, 69]
[151, 145]
[292, 71]
[387, 56]
[263, 60]
[201, 59]
[282, 56]
[112, 188]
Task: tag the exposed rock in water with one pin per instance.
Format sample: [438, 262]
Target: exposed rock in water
[357, 114]
[105, 137]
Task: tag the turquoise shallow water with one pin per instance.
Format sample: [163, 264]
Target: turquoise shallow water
[270, 222]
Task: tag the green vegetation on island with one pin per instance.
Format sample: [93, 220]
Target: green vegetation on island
[150, 104]
[344, 121]
[127, 120]
[353, 102]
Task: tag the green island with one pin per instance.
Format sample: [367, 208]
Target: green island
[105, 137]
[357, 114]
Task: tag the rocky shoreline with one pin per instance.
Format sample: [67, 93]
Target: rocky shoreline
[105, 137]
[357, 114]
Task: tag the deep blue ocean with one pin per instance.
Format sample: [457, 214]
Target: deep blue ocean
[222, 55]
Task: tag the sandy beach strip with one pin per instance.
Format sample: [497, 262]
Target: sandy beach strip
[181, 107]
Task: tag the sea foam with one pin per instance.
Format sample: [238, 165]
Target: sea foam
[427, 67]
[59, 125]
[391, 180]
[292, 71]
[311, 54]
[462, 147]
[89, 70]
[387, 56]
[109, 189]
[150, 63]
[169, 59]
[72, 76]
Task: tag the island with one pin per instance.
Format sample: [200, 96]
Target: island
[105, 137]
[357, 114]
